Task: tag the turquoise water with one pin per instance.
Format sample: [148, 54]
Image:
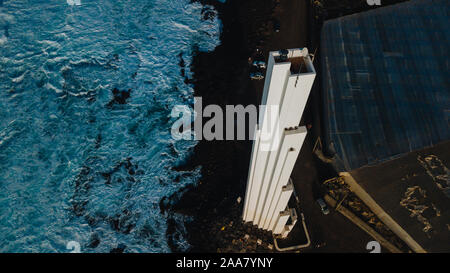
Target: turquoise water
[79, 161]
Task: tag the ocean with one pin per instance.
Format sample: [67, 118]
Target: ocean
[86, 92]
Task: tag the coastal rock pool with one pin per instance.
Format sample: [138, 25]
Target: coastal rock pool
[86, 93]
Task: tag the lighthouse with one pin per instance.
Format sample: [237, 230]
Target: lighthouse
[278, 140]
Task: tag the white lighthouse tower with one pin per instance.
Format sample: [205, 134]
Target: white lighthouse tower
[278, 140]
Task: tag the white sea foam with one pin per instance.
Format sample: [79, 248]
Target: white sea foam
[3, 39]
[184, 27]
[74, 2]
[19, 79]
[6, 19]
[53, 88]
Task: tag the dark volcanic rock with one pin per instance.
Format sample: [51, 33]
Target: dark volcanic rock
[119, 96]
[119, 249]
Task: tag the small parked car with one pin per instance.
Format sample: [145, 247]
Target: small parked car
[259, 64]
[256, 76]
[323, 206]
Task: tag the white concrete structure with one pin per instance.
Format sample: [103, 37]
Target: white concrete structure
[278, 139]
[294, 219]
[289, 152]
[281, 221]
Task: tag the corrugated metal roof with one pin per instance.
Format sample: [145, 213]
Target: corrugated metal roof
[385, 78]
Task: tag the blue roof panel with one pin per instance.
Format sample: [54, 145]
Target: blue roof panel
[385, 78]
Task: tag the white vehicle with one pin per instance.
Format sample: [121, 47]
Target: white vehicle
[323, 206]
[259, 64]
[256, 76]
